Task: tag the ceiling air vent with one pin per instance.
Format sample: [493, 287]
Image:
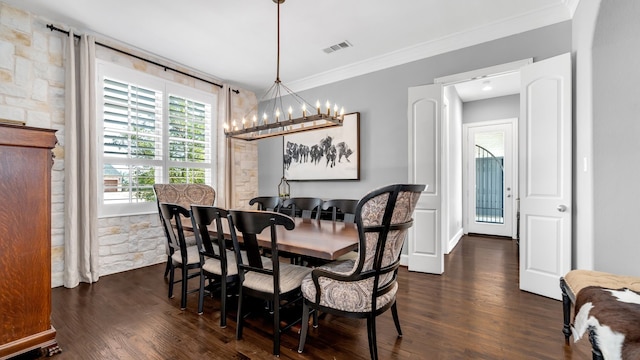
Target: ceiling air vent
[339, 46]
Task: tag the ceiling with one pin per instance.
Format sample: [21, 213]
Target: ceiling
[236, 40]
[489, 87]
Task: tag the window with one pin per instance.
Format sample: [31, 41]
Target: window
[150, 131]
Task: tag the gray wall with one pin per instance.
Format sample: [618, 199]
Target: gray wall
[504, 107]
[381, 99]
[616, 134]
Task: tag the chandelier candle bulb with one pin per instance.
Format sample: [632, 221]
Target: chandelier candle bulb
[277, 115]
[328, 108]
[290, 111]
[255, 120]
[304, 111]
[318, 106]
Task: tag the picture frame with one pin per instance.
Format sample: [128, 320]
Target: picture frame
[305, 154]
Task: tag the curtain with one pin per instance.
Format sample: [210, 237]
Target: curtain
[224, 197]
[81, 256]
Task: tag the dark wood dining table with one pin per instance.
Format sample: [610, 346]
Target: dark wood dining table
[322, 239]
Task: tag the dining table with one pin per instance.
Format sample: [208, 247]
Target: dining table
[322, 239]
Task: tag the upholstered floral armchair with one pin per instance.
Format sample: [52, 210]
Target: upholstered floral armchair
[365, 287]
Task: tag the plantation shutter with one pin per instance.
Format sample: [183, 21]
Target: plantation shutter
[189, 140]
[132, 121]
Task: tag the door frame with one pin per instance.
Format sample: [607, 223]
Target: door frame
[514, 171]
[434, 191]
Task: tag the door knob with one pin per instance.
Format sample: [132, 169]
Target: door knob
[562, 208]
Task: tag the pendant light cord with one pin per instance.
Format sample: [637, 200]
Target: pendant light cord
[278, 58]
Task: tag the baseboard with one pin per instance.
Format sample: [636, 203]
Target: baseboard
[404, 260]
[454, 241]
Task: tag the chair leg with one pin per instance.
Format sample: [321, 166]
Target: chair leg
[371, 331]
[276, 326]
[239, 317]
[223, 303]
[305, 326]
[315, 318]
[168, 267]
[396, 319]
[172, 279]
[183, 301]
[566, 312]
[201, 293]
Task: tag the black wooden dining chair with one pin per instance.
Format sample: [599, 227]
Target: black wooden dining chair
[268, 203]
[275, 282]
[218, 262]
[346, 208]
[183, 195]
[302, 206]
[365, 287]
[183, 256]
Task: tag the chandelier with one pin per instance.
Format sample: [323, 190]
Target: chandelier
[281, 122]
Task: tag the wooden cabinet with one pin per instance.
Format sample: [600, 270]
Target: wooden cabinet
[25, 240]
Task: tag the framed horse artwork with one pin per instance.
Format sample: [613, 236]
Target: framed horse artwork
[326, 154]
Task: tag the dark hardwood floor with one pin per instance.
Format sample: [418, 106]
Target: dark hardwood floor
[474, 311]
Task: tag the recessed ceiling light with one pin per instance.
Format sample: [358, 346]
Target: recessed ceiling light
[486, 85]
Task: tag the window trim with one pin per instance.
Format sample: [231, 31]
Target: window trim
[131, 76]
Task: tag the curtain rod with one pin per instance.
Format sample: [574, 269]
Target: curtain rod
[53, 28]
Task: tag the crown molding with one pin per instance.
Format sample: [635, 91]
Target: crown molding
[572, 5]
[492, 31]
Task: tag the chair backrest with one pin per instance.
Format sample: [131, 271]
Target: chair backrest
[383, 218]
[172, 223]
[185, 194]
[202, 218]
[251, 223]
[347, 207]
[306, 206]
[267, 203]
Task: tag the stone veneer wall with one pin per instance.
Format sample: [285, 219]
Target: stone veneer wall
[32, 90]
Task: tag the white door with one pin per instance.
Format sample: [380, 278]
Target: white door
[545, 175]
[424, 241]
[490, 177]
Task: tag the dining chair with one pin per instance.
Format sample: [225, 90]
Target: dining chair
[268, 203]
[275, 282]
[304, 206]
[345, 207]
[218, 262]
[183, 195]
[183, 256]
[365, 287]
